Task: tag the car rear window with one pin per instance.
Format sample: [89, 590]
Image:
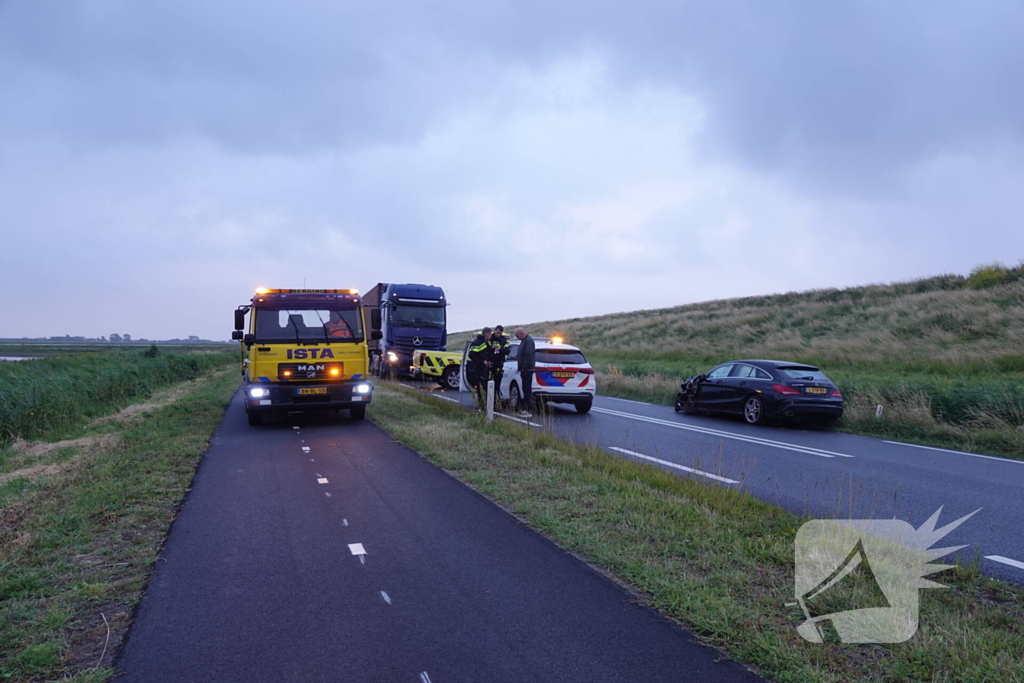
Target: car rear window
[561, 356]
[805, 373]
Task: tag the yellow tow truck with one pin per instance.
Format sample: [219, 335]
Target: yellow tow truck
[304, 350]
[441, 366]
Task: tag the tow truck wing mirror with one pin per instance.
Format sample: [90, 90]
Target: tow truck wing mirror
[249, 339]
[376, 334]
[375, 320]
[239, 319]
[237, 335]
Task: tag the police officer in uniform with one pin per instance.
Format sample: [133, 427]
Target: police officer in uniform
[480, 358]
[499, 352]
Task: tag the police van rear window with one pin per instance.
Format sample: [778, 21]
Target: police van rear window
[560, 356]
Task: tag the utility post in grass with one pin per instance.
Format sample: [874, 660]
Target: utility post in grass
[490, 400]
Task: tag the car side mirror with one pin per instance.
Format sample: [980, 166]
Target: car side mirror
[376, 334]
[239, 319]
[375, 320]
[237, 335]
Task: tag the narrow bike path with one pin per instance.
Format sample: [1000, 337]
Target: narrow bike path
[332, 553]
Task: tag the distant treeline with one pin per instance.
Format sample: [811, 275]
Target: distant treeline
[114, 338]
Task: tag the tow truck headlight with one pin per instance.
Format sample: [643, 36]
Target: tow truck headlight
[363, 388]
[392, 357]
[258, 392]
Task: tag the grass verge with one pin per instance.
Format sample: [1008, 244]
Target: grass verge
[60, 393]
[711, 558]
[79, 539]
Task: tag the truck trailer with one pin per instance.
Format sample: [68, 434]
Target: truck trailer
[412, 318]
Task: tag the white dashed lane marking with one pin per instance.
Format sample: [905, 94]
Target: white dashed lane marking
[306, 449]
[321, 480]
[674, 465]
[1005, 560]
[386, 597]
[424, 678]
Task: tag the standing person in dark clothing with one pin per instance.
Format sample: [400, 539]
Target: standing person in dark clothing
[499, 352]
[480, 360]
[527, 362]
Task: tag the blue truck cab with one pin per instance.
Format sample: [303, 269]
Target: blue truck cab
[412, 318]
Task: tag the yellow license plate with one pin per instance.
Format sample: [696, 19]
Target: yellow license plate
[563, 374]
[313, 390]
[816, 390]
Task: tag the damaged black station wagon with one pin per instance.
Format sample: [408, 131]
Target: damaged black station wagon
[762, 390]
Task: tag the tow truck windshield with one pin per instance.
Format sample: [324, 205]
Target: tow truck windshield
[417, 316]
[308, 325]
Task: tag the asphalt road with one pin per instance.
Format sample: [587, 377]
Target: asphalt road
[319, 550]
[817, 473]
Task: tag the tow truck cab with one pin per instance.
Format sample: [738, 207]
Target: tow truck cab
[304, 350]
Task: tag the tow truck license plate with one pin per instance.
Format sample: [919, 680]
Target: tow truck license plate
[313, 390]
[563, 374]
[816, 390]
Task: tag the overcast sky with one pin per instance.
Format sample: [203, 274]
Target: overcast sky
[539, 160]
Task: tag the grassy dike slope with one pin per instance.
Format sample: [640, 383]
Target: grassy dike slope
[711, 558]
[943, 355]
[83, 518]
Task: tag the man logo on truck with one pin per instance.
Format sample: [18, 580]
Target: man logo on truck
[310, 368]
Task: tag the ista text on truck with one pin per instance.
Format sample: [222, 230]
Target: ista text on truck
[304, 350]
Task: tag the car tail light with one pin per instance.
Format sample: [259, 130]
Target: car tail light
[586, 371]
[786, 391]
[836, 394]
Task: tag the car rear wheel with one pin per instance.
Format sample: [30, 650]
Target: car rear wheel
[450, 378]
[753, 410]
[357, 412]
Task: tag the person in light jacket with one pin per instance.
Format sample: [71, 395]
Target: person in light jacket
[526, 363]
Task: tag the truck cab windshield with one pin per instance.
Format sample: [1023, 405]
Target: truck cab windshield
[308, 325]
[417, 316]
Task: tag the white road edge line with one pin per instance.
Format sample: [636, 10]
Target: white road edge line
[424, 678]
[946, 450]
[627, 400]
[445, 398]
[405, 385]
[727, 435]
[509, 417]
[321, 480]
[386, 597]
[1005, 560]
[672, 464]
